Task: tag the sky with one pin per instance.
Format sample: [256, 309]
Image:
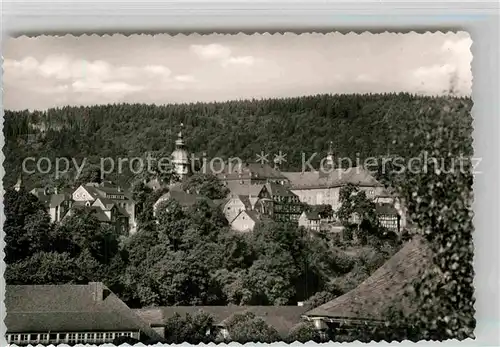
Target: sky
[45, 72]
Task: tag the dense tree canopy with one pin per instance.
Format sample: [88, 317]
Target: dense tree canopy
[228, 129]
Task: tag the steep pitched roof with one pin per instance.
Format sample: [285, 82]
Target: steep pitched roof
[220, 202]
[312, 215]
[253, 215]
[106, 203]
[236, 188]
[276, 189]
[246, 201]
[69, 308]
[123, 212]
[102, 190]
[282, 318]
[386, 286]
[58, 199]
[40, 193]
[183, 198]
[336, 178]
[386, 209]
[92, 190]
[234, 171]
[97, 211]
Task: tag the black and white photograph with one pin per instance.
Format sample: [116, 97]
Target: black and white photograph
[238, 188]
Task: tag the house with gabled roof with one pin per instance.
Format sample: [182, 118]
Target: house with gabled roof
[245, 221]
[70, 314]
[111, 193]
[234, 205]
[310, 220]
[279, 202]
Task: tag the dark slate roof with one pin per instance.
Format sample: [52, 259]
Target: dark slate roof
[220, 202]
[40, 194]
[105, 188]
[372, 299]
[386, 209]
[276, 189]
[98, 213]
[246, 201]
[122, 211]
[312, 215]
[184, 199]
[79, 203]
[58, 199]
[337, 178]
[244, 171]
[387, 193]
[253, 215]
[282, 318]
[108, 203]
[69, 308]
[91, 188]
[236, 188]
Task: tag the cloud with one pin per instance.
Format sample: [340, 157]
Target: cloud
[243, 60]
[365, 78]
[438, 79]
[121, 88]
[459, 47]
[66, 74]
[63, 67]
[212, 51]
[454, 75]
[222, 54]
[158, 70]
[26, 65]
[185, 78]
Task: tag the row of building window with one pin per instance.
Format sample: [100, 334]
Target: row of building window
[115, 197]
[65, 337]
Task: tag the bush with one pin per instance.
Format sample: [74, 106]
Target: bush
[303, 332]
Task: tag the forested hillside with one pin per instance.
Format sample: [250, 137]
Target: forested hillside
[371, 125]
[192, 258]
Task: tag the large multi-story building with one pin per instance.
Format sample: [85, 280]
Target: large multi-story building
[236, 173]
[71, 314]
[323, 187]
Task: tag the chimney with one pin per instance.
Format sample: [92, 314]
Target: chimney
[97, 290]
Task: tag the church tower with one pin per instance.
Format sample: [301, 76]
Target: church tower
[330, 159]
[180, 156]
